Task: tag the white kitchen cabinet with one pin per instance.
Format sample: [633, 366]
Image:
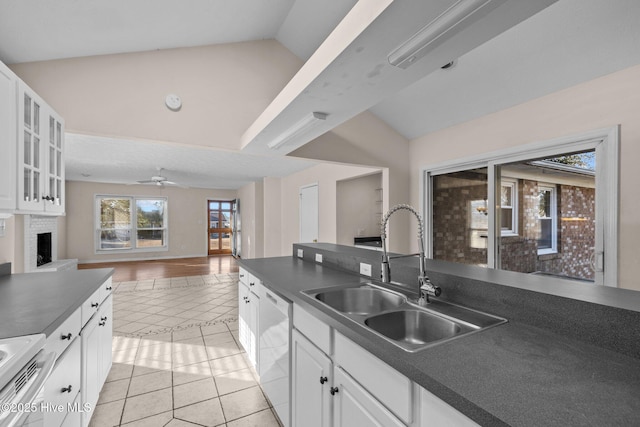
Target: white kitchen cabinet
[90, 365]
[62, 386]
[436, 413]
[32, 170]
[354, 406]
[359, 389]
[311, 381]
[40, 154]
[8, 144]
[96, 337]
[248, 314]
[105, 327]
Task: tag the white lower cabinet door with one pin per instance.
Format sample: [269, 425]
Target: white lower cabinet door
[74, 417]
[434, 412]
[105, 330]
[311, 384]
[243, 317]
[354, 406]
[62, 386]
[90, 367]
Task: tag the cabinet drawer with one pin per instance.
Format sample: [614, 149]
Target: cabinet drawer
[90, 306]
[62, 337]
[243, 275]
[254, 283]
[386, 384]
[316, 331]
[106, 289]
[63, 385]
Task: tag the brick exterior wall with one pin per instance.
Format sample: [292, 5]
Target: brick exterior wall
[451, 201]
[576, 227]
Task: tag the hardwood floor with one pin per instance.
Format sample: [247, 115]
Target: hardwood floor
[126, 271]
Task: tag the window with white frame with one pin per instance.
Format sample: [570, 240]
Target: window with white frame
[131, 223]
[547, 220]
[564, 190]
[509, 206]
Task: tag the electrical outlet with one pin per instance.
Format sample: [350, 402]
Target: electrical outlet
[365, 269]
[319, 258]
[300, 253]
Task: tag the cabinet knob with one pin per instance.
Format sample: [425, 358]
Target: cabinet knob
[323, 380]
[103, 318]
[251, 284]
[66, 389]
[66, 337]
[245, 298]
[109, 288]
[247, 301]
[102, 323]
[333, 390]
[94, 304]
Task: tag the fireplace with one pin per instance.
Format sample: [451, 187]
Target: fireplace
[44, 249]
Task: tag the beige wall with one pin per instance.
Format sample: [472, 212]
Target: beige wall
[12, 244]
[272, 217]
[187, 219]
[326, 176]
[251, 223]
[366, 140]
[223, 89]
[359, 208]
[604, 102]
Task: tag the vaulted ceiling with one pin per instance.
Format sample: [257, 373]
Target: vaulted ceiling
[566, 43]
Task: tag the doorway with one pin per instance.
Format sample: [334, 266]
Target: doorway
[309, 214]
[219, 232]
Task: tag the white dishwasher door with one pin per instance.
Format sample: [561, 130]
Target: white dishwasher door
[275, 329]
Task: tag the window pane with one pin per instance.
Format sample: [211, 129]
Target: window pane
[460, 220]
[544, 204]
[36, 118]
[506, 197]
[225, 219]
[214, 220]
[214, 241]
[556, 216]
[545, 242]
[115, 213]
[225, 206]
[506, 219]
[214, 206]
[150, 238]
[150, 213]
[115, 239]
[226, 241]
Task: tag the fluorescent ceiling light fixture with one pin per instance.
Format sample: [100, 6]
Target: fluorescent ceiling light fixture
[459, 16]
[300, 128]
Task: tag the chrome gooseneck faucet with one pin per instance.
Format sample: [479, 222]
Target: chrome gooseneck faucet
[425, 287]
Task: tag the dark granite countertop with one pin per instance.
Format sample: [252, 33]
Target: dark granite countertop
[514, 374]
[37, 303]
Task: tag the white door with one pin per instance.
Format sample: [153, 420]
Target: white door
[354, 406]
[311, 383]
[309, 213]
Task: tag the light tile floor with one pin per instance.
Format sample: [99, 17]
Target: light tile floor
[176, 358]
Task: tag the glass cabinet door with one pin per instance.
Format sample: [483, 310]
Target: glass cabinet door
[55, 162]
[31, 192]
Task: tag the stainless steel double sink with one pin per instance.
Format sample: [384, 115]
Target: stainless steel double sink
[391, 315]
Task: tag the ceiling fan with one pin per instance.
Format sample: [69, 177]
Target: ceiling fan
[159, 180]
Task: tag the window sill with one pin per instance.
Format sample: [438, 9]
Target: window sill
[130, 250]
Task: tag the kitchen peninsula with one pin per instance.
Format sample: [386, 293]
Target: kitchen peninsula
[568, 355]
[74, 310]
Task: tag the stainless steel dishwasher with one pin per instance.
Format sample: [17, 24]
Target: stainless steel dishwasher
[274, 327]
